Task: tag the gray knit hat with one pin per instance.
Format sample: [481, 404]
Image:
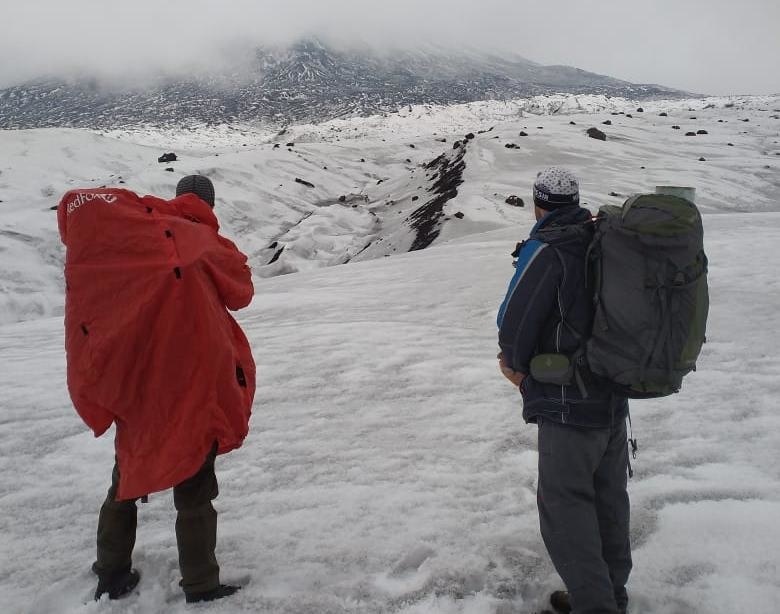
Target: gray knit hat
[200, 185]
[556, 187]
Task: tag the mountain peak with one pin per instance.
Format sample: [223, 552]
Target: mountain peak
[308, 80]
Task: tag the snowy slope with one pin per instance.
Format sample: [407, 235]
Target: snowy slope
[388, 469]
[379, 165]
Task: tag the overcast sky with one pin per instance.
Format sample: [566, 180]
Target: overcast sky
[706, 46]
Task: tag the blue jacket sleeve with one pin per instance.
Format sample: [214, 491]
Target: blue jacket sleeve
[528, 304]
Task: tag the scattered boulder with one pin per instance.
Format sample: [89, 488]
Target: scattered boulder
[414, 198]
[459, 215]
[701, 132]
[469, 136]
[169, 169]
[409, 160]
[379, 181]
[540, 127]
[456, 144]
[663, 114]
[362, 159]
[629, 115]
[442, 140]
[675, 127]
[597, 134]
[515, 201]
[744, 120]
[411, 145]
[342, 198]
[275, 257]
[523, 133]
[730, 144]
[276, 146]
[615, 194]
[607, 123]
[572, 123]
[702, 159]
[511, 146]
[690, 134]
[692, 117]
[308, 184]
[290, 145]
[640, 110]
[167, 157]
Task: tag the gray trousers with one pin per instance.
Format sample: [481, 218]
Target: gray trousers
[584, 512]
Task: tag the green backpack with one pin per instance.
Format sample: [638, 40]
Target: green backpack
[648, 271]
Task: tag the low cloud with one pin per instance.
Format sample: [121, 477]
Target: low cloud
[717, 47]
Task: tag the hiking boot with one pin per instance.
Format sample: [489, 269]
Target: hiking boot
[559, 600]
[223, 590]
[117, 585]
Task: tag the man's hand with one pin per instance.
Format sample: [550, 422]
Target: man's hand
[513, 376]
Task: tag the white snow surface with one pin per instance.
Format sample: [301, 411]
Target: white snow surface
[387, 467]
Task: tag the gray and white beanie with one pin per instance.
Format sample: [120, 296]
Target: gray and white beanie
[556, 187]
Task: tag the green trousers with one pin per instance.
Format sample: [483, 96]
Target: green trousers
[196, 529]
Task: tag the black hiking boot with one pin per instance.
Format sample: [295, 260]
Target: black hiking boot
[117, 585]
[223, 590]
[559, 600]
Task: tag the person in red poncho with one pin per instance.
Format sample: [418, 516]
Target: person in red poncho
[152, 348]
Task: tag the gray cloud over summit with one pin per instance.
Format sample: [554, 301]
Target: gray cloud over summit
[713, 46]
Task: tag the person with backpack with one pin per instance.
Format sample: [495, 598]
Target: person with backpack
[543, 325]
[152, 349]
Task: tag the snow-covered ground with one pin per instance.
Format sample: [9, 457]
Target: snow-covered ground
[377, 165]
[387, 467]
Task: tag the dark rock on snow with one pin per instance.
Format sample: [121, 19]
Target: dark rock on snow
[515, 201]
[597, 134]
[167, 157]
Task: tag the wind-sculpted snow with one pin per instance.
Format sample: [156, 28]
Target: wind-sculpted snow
[388, 469]
[391, 201]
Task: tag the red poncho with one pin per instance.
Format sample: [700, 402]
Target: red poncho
[149, 342]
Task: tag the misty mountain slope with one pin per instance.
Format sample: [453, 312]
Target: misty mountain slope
[306, 81]
[378, 165]
[387, 467]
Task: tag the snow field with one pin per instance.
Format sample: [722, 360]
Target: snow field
[387, 467]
